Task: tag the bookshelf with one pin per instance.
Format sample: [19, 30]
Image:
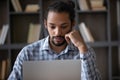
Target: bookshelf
[99, 25]
[103, 25]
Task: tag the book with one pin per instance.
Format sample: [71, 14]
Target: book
[34, 32]
[85, 32]
[83, 5]
[97, 5]
[16, 5]
[99, 8]
[4, 34]
[19, 5]
[1, 34]
[0, 69]
[3, 69]
[32, 8]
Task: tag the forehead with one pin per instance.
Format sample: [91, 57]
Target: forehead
[56, 17]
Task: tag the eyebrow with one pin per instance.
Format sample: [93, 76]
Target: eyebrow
[61, 24]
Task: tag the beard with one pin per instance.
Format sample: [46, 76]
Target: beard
[58, 40]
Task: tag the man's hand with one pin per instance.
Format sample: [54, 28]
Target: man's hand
[77, 40]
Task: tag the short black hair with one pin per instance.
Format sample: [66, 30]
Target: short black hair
[62, 6]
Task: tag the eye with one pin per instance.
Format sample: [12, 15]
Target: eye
[64, 26]
[52, 27]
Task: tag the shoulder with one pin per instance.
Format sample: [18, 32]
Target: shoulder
[31, 50]
[35, 46]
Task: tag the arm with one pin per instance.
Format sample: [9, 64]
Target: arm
[89, 69]
[16, 73]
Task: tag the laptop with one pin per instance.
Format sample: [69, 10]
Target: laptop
[52, 70]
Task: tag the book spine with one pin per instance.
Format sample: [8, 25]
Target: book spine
[82, 31]
[3, 69]
[34, 32]
[5, 34]
[2, 34]
[16, 5]
[83, 5]
[85, 32]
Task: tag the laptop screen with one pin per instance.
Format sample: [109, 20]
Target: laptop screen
[52, 70]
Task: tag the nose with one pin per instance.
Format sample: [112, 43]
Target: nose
[58, 31]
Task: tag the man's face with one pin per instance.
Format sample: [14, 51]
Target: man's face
[58, 24]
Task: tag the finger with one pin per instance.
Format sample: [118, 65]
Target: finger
[67, 38]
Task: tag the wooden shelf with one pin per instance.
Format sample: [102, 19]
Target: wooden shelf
[104, 44]
[24, 13]
[90, 12]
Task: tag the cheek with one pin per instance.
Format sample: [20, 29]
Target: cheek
[50, 31]
[65, 31]
[68, 30]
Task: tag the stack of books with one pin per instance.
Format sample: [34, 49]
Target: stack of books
[95, 5]
[28, 8]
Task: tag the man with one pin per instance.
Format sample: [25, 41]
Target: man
[63, 42]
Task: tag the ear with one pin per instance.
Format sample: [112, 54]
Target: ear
[45, 23]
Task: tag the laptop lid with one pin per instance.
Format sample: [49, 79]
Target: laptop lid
[52, 70]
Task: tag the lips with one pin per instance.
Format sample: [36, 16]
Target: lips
[58, 39]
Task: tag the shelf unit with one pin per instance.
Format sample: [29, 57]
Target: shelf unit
[102, 24]
[99, 24]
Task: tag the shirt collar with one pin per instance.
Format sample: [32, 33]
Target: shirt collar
[69, 47]
[46, 45]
